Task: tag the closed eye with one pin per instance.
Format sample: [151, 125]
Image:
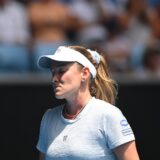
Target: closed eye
[59, 71]
[62, 70]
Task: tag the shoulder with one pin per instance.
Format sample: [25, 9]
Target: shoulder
[106, 112]
[52, 112]
[105, 107]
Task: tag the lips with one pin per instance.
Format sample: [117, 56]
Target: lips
[55, 87]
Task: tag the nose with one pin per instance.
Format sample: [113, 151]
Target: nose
[55, 77]
[54, 80]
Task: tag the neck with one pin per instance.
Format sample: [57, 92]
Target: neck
[77, 101]
[74, 107]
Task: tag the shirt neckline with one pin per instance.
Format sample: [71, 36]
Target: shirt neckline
[81, 114]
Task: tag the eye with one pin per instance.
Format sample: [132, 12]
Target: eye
[52, 72]
[58, 71]
[62, 70]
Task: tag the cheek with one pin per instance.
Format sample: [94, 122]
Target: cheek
[73, 79]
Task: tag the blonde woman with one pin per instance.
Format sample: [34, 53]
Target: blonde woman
[88, 125]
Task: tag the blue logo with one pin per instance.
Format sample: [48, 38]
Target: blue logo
[124, 122]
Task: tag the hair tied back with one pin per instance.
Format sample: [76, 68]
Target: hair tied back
[95, 55]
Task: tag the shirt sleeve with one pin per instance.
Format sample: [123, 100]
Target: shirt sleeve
[117, 129]
[42, 141]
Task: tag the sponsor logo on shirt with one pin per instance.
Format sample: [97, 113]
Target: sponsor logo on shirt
[123, 122]
[126, 130]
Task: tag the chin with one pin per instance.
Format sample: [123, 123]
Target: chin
[59, 96]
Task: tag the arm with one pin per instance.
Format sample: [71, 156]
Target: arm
[41, 156]
[127, 151]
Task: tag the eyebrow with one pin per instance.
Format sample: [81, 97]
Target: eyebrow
[59, 64]
[62, 66]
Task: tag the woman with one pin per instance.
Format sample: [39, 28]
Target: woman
[87, 126]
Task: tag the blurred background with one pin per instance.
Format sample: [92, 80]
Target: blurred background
[126, 32]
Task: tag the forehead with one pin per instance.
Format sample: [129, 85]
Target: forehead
[55, 64]
[59, 65]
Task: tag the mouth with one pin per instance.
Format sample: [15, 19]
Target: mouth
[55, 87]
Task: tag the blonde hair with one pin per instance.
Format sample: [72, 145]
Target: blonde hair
[102, 86]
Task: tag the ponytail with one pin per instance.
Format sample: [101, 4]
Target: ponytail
[103, 87]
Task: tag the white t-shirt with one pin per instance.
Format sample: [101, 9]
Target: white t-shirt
[98, 129]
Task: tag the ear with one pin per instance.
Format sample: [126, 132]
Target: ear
[85, 73]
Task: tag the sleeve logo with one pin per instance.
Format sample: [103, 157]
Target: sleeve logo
[123, 122]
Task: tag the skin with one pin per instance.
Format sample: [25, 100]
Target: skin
[71, 82]
[127, 151]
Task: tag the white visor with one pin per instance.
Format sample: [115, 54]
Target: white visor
[65, 54]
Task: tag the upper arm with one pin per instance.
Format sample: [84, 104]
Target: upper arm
[127, 151]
